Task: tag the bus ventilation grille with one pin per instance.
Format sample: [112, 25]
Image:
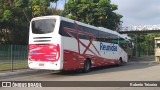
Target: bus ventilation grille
[42, 39]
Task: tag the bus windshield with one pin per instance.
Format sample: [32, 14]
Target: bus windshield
[43, 26]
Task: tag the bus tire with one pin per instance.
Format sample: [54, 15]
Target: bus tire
[120, 61]
[87, 66]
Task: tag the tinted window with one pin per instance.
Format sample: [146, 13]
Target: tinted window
[99, 35]
[43, 26]
[65, 24]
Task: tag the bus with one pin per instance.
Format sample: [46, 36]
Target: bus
[125, 44]
[59, 43]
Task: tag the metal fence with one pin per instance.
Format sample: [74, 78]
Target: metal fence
[13, 57]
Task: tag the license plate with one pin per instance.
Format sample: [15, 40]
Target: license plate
[41, 64]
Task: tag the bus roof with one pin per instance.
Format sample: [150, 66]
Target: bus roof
[87, 25]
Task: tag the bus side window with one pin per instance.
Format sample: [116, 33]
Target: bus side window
[65, 24]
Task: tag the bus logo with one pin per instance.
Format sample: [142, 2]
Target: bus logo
[108, 47]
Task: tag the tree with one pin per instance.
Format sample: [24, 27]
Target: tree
[15, 16]
[144, 43]
[6, 21]
[95, 12]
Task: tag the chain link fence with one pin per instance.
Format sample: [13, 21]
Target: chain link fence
[13, 57]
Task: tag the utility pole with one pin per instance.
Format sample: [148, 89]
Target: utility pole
[136, 45]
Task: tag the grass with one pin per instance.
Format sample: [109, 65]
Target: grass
[143, 58]
[16, 65]
[16, 53]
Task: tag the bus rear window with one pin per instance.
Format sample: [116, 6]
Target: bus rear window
[43, 26]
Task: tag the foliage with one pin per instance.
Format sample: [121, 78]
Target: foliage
[15, 16]
[145, 42]
[95, 12]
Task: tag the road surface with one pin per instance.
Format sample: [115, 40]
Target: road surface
[133, 71]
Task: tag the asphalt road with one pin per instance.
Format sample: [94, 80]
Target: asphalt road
[133, 71]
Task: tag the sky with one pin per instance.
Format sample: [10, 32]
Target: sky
[135, 12]
[60, 4]
[138, 12]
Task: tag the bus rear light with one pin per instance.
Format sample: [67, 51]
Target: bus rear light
[55, 49]
[51, 47]
[53, 53]
[31, 59]
[47, 52]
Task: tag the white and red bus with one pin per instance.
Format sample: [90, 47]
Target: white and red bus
[59, 43]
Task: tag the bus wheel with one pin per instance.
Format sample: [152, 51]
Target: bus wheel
[87, 66]
[120, 61]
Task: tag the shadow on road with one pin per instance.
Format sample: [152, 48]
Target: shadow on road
[131, 65]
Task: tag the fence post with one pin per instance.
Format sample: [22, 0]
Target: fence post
[11, 58]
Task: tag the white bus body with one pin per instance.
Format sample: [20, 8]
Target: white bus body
[58, 43]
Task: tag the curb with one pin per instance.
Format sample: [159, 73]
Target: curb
[155, 62]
